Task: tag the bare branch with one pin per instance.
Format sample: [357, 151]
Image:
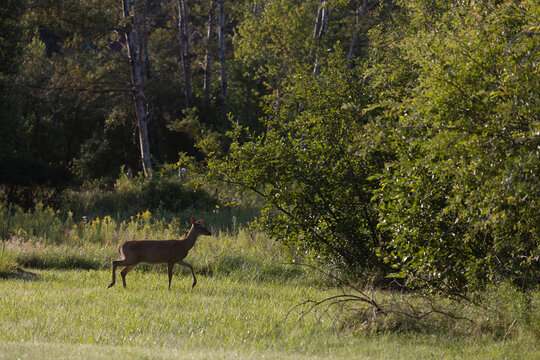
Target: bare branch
[359, 296]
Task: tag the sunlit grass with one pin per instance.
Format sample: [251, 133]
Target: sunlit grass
[8, 262]
[75, 307]
[239, 308]
[66, 313]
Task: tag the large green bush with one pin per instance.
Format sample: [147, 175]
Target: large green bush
[461, 202]
[313, 168]
[425, 159]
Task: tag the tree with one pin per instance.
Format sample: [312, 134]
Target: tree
[358, 29]
[222, 66]
[313, 168]
[133, 37]
[10, 55]
[208, 55]
[461, 200]
[185, 48]
[321, 25]
[272, 42]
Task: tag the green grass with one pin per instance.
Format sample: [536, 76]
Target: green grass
[237, 310]
[69, 314]
[8, 262]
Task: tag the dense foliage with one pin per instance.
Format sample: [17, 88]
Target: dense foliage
[425, 160]
[393, 137]
[314, 166]
[461, 201]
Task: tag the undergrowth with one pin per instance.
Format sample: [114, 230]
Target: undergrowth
[46, 238]
[8, 263]
[499, 312]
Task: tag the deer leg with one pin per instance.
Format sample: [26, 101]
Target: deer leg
[115, 264]
[170, 266]
[183, 263]
[124, 273]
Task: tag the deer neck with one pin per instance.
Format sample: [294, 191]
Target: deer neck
[191, 237]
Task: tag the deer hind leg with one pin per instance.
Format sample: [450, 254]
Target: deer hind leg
[124, 273]
[115, 264]
[169, 272]
[183, 263]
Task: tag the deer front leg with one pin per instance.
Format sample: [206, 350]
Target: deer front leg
[183, 263]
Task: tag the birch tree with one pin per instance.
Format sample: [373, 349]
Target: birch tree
[321, 24]
[185, 48]
[144, 43]
[133, 37]
[208, 55]
[221, 11]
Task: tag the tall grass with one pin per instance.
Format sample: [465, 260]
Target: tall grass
[47, 226]
[238, 262]
[8, 263]
[45, 238]
[93, 220]
[166, 197]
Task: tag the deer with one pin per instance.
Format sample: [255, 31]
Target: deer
[169, 252]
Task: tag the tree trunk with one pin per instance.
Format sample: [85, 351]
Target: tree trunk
[144, 45]
[208, 56]
[137, 81]
[221, 10]
[321, 25]
[354, 40]
[322, 20]
[185, 51]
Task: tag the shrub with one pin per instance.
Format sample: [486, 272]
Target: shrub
[313, 169]
[460, 202]
[8, 263]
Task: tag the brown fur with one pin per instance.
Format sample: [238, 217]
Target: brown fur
[157, 252]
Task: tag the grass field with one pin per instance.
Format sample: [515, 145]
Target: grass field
[66, 314]
[61, 309]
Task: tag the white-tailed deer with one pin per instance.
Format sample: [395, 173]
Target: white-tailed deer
[157, 252]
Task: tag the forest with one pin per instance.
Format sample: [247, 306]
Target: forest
[393, 144]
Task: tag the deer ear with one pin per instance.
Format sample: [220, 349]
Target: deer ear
[193, 219]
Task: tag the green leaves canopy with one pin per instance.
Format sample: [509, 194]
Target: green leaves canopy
[311, 166]
[462, 200]
[425, 160]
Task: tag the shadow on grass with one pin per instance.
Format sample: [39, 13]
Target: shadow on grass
[235, 266]
[245, 267]
[65, 257]
[21, 274]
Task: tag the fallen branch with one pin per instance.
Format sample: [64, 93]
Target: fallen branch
[356, 295]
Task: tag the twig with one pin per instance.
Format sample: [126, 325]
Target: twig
[344, 298]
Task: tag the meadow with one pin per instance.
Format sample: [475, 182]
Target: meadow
[243, 307]
[68, 314]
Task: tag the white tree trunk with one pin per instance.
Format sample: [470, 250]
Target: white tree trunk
[221, 11]
[185, 48]
[133, 35]
[144, 46]
[208, 56]
[321, 24]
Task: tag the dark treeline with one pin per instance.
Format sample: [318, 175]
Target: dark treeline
[385, 137]
[90, 87]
